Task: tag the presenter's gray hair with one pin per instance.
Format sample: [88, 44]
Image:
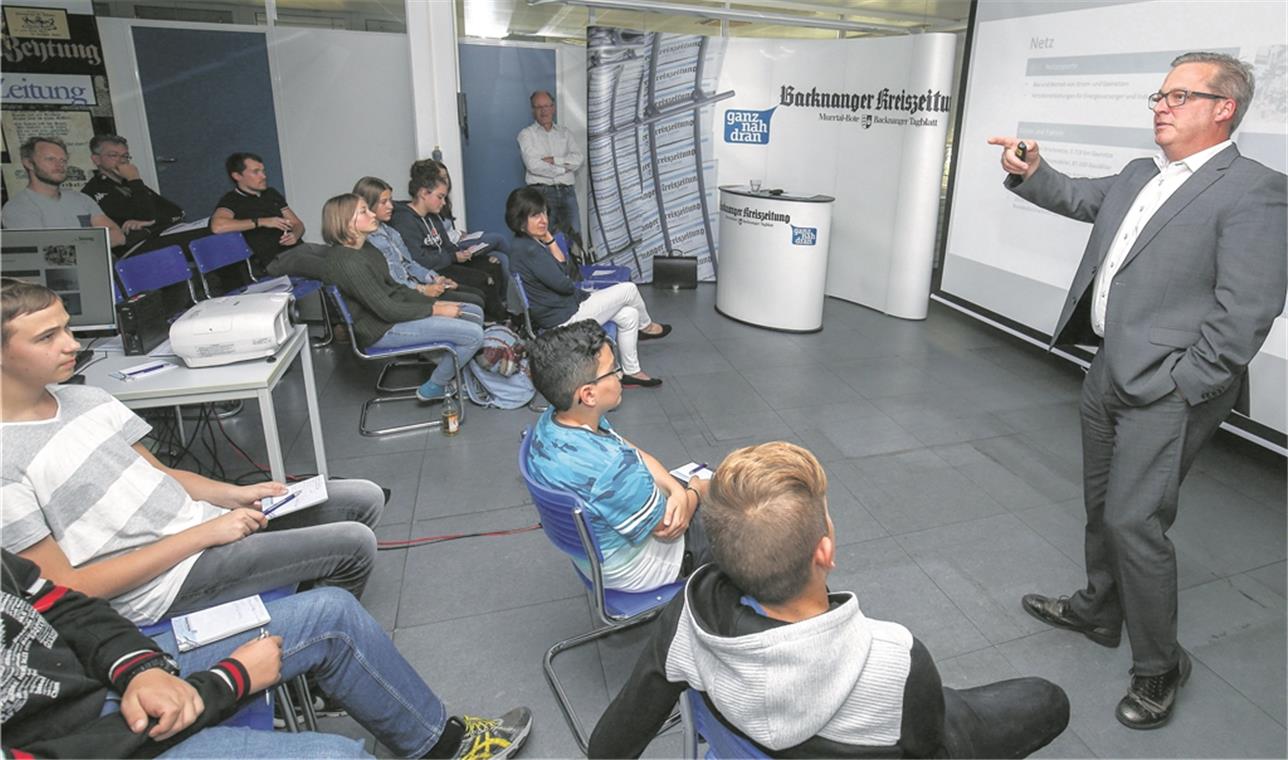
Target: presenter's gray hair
[1233, 79]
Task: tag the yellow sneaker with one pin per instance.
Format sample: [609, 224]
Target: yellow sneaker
[494, 737]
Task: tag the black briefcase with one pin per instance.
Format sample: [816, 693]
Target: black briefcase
[675, 272]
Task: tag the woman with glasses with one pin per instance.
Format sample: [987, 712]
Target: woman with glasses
[549, 276]
[387, 314]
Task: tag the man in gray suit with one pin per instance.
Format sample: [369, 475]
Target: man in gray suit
[1183, 274]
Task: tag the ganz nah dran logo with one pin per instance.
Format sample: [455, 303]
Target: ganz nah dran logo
[747, 127]
[804, 235]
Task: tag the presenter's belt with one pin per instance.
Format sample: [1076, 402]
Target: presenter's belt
[538, 186]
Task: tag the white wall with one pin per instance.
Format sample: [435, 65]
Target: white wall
[344, 110]
[570, 83]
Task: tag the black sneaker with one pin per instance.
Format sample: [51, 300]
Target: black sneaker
[494, 737]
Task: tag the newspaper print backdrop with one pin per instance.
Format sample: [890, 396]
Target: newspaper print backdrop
[649, 132]
[54, 84]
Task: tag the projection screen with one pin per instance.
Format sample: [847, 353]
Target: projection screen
[1075, 76]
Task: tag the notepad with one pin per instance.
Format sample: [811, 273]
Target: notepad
[687, 471]
[276, 285]
[475, 235]
[197, 629]
[301, 495]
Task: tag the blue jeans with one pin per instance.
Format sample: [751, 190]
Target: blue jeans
[326, 633]
[465, 333]
[219, 742]
[561, 207]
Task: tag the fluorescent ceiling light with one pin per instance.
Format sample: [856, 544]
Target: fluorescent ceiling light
[732, 14]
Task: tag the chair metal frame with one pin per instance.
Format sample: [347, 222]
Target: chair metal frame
[722, 742]
[342, 307]
[563, 519]
[531, 332]
[212, 253]
[280, 691]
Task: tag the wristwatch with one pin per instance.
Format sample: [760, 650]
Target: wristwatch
[163, 662]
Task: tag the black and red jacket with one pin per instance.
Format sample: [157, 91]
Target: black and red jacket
[63, 652]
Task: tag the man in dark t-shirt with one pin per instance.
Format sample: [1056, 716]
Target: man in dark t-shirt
[117, 189]
[256, 210]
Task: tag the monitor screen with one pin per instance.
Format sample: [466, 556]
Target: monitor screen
[74, 263]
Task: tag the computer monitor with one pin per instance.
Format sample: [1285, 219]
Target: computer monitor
[74, 263]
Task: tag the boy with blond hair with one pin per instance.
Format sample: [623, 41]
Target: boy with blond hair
[798, 669]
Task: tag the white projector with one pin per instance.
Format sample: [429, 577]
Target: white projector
[232, 329]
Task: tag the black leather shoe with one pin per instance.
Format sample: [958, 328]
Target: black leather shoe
[652, 382]
[1056, 612]
[1150, 700]
[665, 331]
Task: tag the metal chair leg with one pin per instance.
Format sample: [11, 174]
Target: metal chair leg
[397, 364]
[561, 696]
[283, 695]
[328, 332]
[376, 432]
[301, 685]
[377, 400]
[690, 729]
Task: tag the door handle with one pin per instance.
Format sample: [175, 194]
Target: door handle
[165, 160]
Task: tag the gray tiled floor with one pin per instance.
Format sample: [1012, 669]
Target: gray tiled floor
[955, 487]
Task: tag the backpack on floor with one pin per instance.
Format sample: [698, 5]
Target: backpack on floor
[497, 376]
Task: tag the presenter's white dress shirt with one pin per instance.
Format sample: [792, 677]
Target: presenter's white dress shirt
[535, 143]
[1151, 197]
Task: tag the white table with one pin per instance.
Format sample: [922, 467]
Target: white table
[773, 258]
[253, 379]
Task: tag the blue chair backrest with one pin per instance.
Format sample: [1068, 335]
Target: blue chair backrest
[340, 304]
[218, 251]
[153, 270]
[722, 743]
[555, 507]
[522, 291]
[562, 241]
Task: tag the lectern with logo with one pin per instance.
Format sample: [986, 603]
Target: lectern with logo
[773, 257]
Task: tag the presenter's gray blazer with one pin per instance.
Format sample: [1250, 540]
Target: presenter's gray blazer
[1194, 299]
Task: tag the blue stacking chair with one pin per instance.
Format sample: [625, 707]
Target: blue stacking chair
[258, 713]
[723, 743]
[610, 327]
[564, 521]
[401, 392]
[226, 249]
[154, 270]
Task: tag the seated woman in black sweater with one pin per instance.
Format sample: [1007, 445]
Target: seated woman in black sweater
[386, 314]
[553, 295]
[428, 239]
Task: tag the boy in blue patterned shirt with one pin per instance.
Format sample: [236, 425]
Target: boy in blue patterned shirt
[642, 517]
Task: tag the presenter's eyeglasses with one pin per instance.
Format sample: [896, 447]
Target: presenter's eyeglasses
[1178, 98]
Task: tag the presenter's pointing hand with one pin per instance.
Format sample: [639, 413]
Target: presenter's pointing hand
[1011, 162]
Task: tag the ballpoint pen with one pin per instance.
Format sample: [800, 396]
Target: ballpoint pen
[279, 504]
[144, 370]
